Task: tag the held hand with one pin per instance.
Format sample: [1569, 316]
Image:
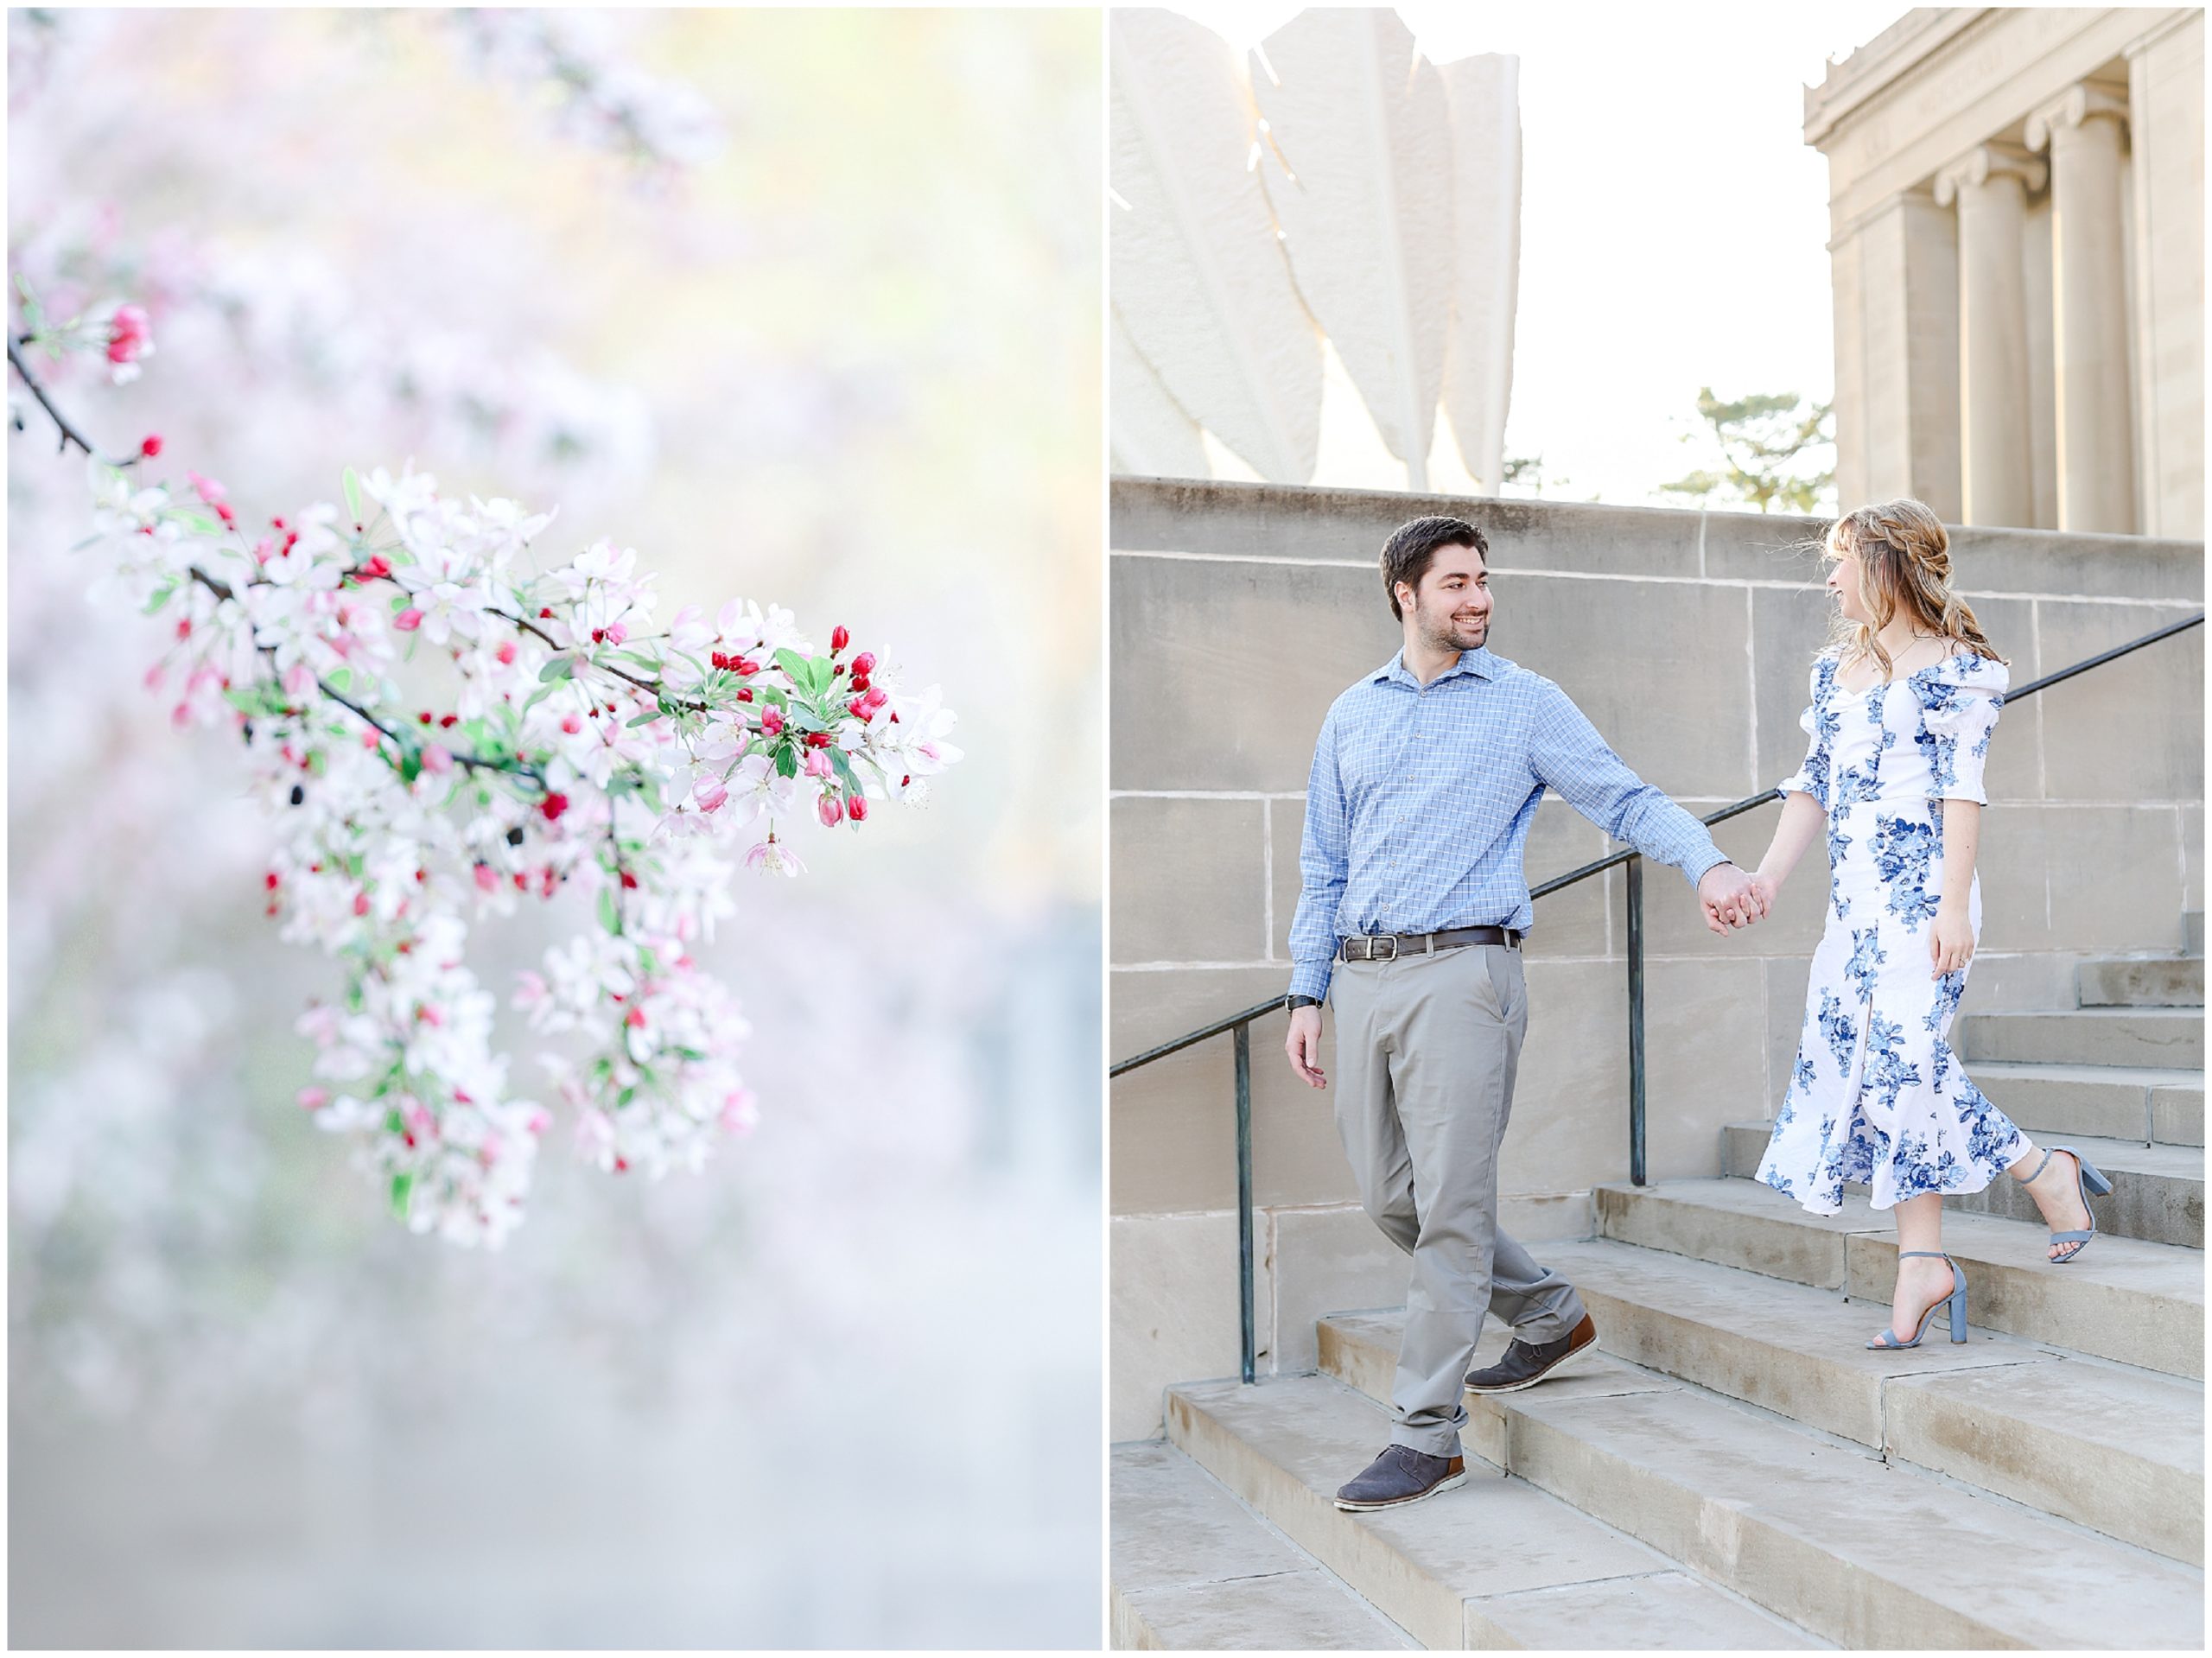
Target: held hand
[1950, 942]
[1304, 1045]
[1768, 889]
[1731, 899]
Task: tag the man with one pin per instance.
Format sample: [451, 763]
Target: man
[1426, 777]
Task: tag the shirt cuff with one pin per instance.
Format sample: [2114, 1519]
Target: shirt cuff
[1703, 863]
[1312, 979]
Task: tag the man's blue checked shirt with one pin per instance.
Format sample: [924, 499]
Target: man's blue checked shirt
[1420, 802]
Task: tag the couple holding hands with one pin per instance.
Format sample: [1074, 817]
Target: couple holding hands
[1426, 777]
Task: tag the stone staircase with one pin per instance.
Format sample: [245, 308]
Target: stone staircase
[1736, 1470]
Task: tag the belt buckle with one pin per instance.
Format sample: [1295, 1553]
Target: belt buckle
[1376, 939]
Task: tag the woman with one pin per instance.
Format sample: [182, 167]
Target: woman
[1903, 703]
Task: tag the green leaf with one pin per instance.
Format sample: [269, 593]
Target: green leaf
[786, 762]
[155, 604]
[610, 919]
[559, 668]
[198, 522]
[794, 666]
[821, 672]
[843, 768]
[401, 1185]
[647, 717]
[775, 698]
[353, 495]
[340, 680]
[245, 698]
[392, 1121]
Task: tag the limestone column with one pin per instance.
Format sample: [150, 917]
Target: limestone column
[2084, 131]
[1990, 184]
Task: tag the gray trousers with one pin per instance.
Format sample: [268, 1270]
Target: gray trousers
[1427, 1046]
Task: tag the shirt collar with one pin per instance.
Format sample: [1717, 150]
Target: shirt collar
[1479, 663]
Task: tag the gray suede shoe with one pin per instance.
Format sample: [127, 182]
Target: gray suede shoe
[1402, 1475]
[1526, 1364]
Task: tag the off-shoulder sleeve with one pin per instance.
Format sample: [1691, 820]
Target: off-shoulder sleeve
[1959, 699]
[1818, 724]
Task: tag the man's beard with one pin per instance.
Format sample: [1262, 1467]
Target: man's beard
[1442, 633]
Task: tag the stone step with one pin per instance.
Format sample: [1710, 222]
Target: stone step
[2150, 982]
[2111, 1102]
[2158, 1192]
[1196, 1571]
[2192, 932]
[1862, 1553]
[2169, 1037]
[2121, 1298]
[1495, 1562]
[2121, 1450]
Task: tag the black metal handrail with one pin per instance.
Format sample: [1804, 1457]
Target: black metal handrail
[1240, 1025]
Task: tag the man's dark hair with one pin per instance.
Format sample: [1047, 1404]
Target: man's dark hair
[1406, 555]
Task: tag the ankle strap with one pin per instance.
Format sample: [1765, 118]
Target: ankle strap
[1933, 1255]
[2048, 1152]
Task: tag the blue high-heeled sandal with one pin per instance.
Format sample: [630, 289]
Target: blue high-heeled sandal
[1956, 1301]
[2087, 1181]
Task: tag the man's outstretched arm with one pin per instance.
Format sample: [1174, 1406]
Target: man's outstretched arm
[1569, 754]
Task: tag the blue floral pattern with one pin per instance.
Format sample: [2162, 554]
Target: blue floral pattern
[1905, 852]
[1877, 1095]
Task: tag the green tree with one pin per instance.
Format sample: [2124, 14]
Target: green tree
[1769, 446]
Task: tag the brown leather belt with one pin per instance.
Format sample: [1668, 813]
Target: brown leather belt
[1367, 947]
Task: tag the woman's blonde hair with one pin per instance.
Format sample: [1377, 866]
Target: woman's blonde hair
[1904, 563]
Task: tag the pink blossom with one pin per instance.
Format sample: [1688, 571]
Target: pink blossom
[130, 337]
[772, 857]
[407, 620]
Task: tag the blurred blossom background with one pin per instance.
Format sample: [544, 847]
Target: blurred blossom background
[805, 307]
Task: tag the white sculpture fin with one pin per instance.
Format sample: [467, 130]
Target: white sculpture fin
[1152, 437]
[1355, 153]
[1198, 274]
[1484, 94]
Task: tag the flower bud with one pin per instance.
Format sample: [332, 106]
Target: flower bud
[862, 665]
[830, 809]
[771, 720]
[407, 620]
[818, 764]
[553, 805]
[860, 681]
[152, 446]
[876, 697]
[856, 808]
[838, 640]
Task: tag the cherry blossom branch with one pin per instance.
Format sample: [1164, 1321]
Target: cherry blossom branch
[376, 864]
[69, 433]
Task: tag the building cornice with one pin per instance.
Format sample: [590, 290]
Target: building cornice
[1915, 37]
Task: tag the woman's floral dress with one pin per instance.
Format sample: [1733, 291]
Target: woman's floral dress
[1877, 1096]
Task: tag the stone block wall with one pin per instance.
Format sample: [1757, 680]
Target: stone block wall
[1239, 613]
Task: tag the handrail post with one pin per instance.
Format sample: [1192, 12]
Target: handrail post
[1636, 1021]
[1244, 1289]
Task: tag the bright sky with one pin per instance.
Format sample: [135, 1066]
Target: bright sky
[1673, 226]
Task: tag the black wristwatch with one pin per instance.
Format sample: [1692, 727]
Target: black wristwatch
[1303, 1001]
